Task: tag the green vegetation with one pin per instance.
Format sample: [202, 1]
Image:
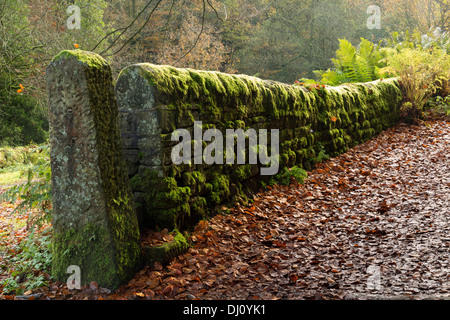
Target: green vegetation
[14, 174]
[420, 62]
[15, 162]
[27, 264]
[10, 157]
[26, 170]
[285, 177]
[422, 74]
[35, 192]
[442, 105]
[22, 121]
[165, 252]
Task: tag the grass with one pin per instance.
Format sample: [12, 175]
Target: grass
[13, 175]
[14, 161]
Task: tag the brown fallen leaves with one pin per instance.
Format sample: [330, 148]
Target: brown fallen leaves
[154, 238]
[382, 206]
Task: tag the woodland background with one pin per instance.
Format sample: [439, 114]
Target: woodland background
[282, 40]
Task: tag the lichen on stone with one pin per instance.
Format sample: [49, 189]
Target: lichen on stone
[94, 220]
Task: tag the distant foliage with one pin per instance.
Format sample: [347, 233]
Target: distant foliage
[31, 33]
[13, 157]
[23, 121]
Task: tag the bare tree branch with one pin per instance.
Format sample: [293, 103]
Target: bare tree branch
[217, 14]
[198, 37]
[124, 29]
[140, 29]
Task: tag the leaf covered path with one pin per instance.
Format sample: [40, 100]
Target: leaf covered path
[372, 223]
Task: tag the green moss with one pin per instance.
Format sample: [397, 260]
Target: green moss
[165, 200]
[199, 209]
[166, 252]
[229, 102]
[242, 173]
[116, 188]
[285, 176]
[91, 59]
[90, 248]
[219, 189]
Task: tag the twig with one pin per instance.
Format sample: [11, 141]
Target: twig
[140, 29]
[198, 37]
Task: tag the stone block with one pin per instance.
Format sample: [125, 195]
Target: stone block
[94, 220]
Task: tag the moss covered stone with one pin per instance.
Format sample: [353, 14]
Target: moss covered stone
[176, 98]
[166, 252]
[94, 220]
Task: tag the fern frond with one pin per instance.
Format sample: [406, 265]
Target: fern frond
[346, 54]
[363, 70]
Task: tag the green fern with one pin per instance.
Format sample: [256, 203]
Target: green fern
[354, 65]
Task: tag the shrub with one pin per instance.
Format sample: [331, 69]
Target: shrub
[27, 263]
[441, 105]
[22, 121]
[421, 75]
[286, 175]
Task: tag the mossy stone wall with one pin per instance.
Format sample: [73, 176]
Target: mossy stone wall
[154, 101]
[111, 159]
[94, 220]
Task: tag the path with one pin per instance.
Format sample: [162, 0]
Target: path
[372, 223]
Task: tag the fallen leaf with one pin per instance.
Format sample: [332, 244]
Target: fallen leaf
[149, 294]
[167, 290]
